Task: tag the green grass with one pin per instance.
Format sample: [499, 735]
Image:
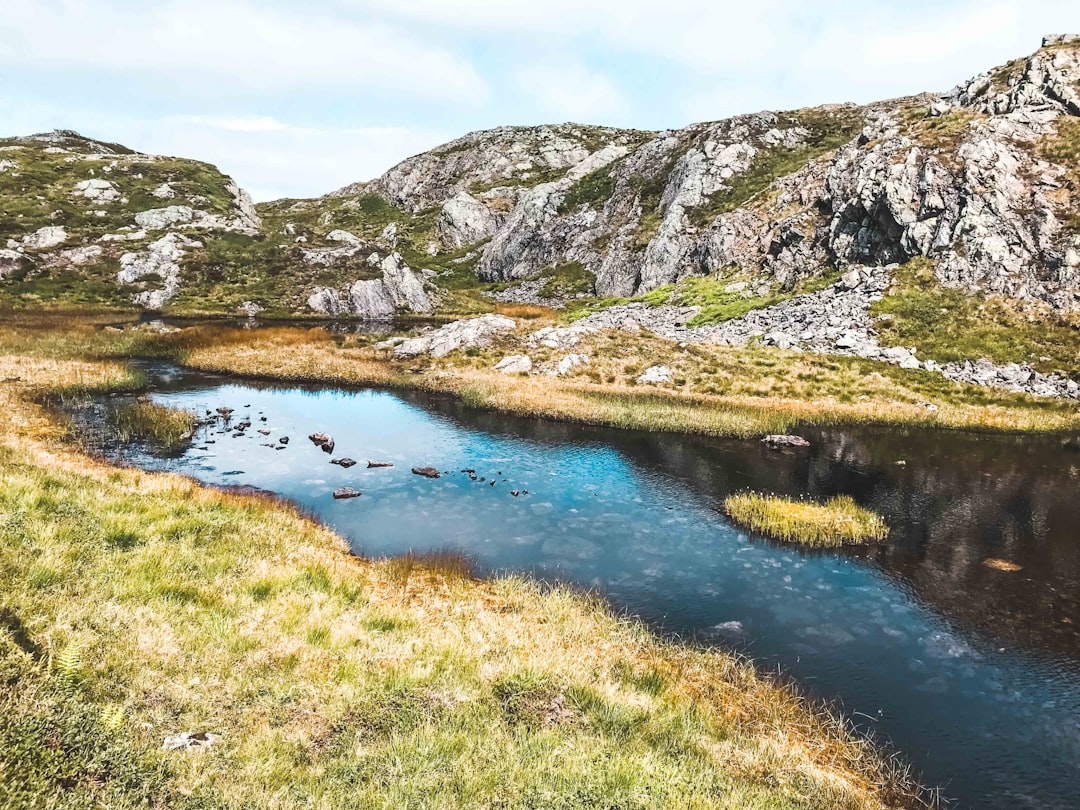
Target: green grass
[165, 429]
[837, 522]
[133, 606]
[717, 303]
[949, 325]
[593, 189]
[567, 281]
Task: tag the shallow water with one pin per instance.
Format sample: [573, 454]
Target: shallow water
[972, 673]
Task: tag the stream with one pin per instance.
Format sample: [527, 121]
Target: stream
[971, 672]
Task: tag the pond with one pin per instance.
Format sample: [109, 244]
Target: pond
[972, 672]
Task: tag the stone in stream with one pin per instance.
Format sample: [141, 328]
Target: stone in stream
[345, 493]
[344, 462]
[379, 464]
[323, 440]
[426, 472]
[225, 412]
[284, 440]
[785, 441]
[265, 432]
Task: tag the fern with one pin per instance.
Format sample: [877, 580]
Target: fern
[68, 663]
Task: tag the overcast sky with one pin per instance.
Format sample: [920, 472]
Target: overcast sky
[300, 98]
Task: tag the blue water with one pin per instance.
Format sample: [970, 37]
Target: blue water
[905, 638]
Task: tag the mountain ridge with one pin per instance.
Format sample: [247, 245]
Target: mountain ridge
[982, 180]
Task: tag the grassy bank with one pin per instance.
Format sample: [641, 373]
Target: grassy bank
[837, 522]
[716, 390]
[133, 606]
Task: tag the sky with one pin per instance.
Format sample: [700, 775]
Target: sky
[296, 99]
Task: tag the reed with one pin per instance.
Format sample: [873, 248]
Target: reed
[837, 522]
[164, 429]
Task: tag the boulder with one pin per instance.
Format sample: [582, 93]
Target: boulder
[571, 362]
[655, 375]
[98, 190]
[156, 219]
[346, 493]
[373, 465]
[465, 334]
[190, 741]
[426, 472]
[515, 364]
[45, 238]
[464, 220]
[399, 289]
[346, 463]
[10, 262]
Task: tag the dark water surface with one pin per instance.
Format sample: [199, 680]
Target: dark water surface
[971, 672]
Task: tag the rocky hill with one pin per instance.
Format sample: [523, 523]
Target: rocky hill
[93, 222]
[982, 181]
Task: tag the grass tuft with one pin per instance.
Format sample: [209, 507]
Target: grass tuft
[165, 429]
[837, 522]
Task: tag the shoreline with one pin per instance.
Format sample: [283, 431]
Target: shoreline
[39, 451]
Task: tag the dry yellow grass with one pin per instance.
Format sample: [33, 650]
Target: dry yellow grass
[718, 391]
[837, 522]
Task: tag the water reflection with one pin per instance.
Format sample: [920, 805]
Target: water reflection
[972, 672]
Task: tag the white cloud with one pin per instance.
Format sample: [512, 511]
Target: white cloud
[253, 123]
[283, 160]
[223, 47]
[571, 92]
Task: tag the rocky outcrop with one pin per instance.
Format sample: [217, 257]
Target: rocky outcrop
[464, 220]
[245, 220]
[962, 178]
[515, 364]
[836, 320]
[467, 334]
[161, 262]
[506, 158]
[45, 238]
[400, 289]
[11, 261]
[98, 190]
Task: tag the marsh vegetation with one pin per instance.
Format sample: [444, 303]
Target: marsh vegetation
[837, 522]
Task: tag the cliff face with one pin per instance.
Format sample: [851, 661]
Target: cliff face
[984, 180]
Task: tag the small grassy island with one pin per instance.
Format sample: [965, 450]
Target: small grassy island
[837, 522]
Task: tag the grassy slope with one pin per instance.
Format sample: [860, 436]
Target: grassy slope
[41, 191]
[951, 325]
[135, 605]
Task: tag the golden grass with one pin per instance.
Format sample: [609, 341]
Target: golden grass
[137, 605]
[837, 522]
[718, 390]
